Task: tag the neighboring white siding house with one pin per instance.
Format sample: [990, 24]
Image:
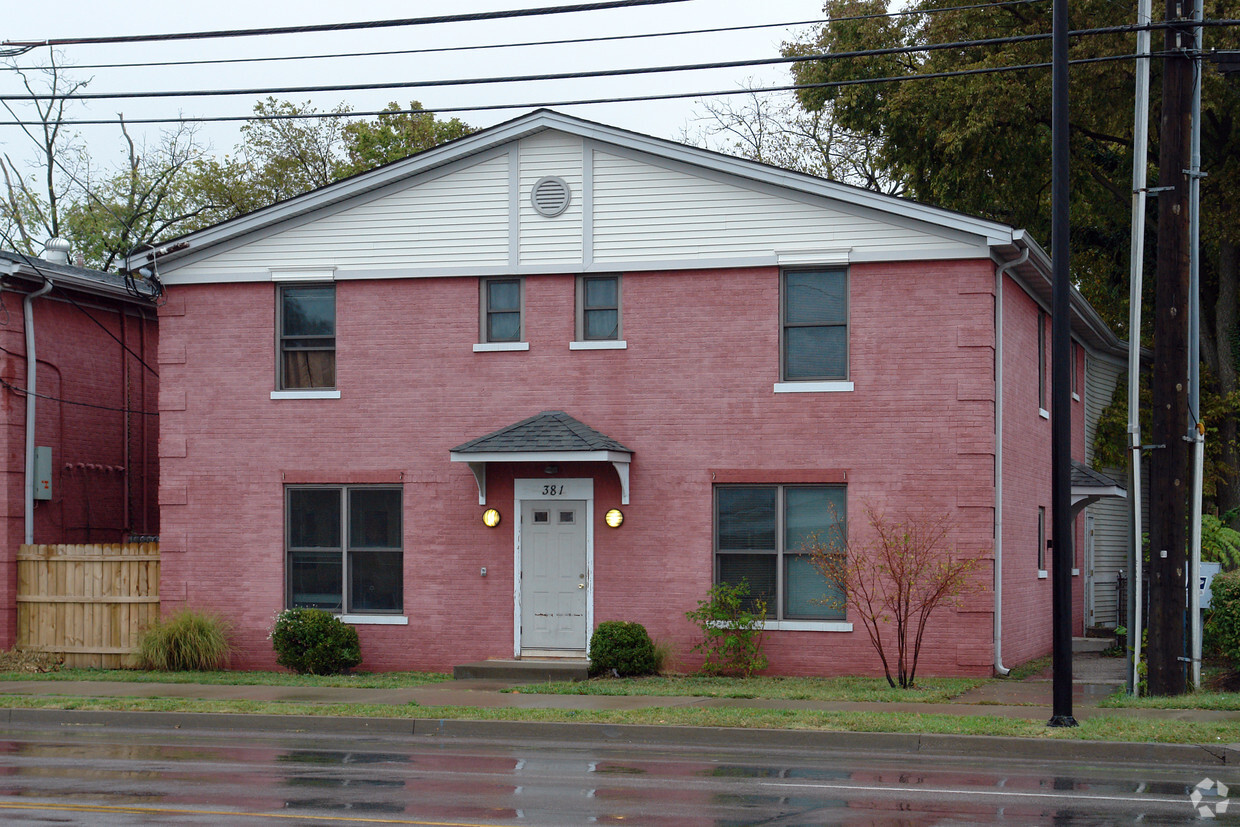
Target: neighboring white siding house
[1108, 517]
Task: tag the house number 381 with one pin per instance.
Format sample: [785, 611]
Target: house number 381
[553, 490]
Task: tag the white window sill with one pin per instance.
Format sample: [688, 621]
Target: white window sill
[500, 347]
[375, 620]
[1076, 396]
[1041, 574]
[610, 344]
[807, 626]
[1076, 572]
[1044, 413]
[323, 394]
[837, 386]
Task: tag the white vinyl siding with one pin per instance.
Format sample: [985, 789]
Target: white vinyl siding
[1111, 530]
[557, 239]
[458, 219]
[643, 211]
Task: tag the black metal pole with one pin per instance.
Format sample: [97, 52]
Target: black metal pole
[1061, 402]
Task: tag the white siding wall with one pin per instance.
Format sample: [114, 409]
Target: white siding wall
[459, 219]
[1111, 535]
[555, 240]
[646, 212]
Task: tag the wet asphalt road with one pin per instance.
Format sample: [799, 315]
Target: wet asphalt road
[96, 775]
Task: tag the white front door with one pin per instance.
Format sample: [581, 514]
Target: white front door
[553, 575]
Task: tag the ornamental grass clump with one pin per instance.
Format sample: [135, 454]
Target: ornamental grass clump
[187, 640]
[620, 648]
[315, 642]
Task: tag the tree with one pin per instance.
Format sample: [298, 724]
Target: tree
[893, 580]
[391, 137]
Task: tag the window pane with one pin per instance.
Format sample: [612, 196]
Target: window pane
[309, 311]
[314, 519]
[601, 324]
[812, 511]
[805, 588]
[601, 293]
[758, 570]
[503, 327]
[816, 352]
[746, 518]
[503, 295]
[375, 581]
[374, 518]
[309, 369]
[815, 298]
[314, 580]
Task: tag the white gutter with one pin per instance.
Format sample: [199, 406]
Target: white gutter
[28, 315]
[998, 573]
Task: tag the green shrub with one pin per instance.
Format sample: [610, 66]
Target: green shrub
[1222, 631]
[185, 640]
[315, 642]
[731, 623]
[621, 648]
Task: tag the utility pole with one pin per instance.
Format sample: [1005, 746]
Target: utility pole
[1169, 478]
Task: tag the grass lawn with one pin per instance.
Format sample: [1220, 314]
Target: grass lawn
[870, 690]
[358, 680]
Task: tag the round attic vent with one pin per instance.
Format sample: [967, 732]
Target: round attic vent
[550, 196]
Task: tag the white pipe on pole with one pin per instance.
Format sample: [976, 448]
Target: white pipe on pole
[1136, 254]
[1196, 433]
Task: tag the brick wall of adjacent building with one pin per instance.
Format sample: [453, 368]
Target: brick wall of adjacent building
[692, 393]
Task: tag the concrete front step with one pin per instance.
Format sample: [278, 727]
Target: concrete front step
[533, 670]
[1091, 644]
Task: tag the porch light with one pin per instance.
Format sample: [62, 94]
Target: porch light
[490, 518]
[614, 517]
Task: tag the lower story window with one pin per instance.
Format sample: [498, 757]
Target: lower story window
[761, 535]
[344, 551]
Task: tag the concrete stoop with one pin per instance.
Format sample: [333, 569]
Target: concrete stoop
[533, 670]
[1082, 645]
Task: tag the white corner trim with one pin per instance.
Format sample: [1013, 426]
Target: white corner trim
[499, 347]
[1041, 574]
[610, 344]
[375, 620]
[305, 394]
[328, 274]
[807, 626]
[1044, 413]
[836, 386]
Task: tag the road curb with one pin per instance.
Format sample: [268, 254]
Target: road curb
[1107, 752]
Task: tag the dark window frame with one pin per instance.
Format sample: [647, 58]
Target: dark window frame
[777, 609]
[486, 311]
[1042, 359]
[322, 343]
[1042, 538]
[583, 308]
[785, 325]
[346, 549]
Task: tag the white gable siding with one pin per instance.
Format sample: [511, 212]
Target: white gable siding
[1110, 514]
[457, 219]
[648, 212]
[555, 240]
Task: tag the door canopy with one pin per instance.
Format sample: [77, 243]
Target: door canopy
[552, 437]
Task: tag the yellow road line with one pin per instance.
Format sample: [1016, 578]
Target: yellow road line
[133, 810]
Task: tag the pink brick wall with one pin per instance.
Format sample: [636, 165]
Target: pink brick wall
[104, 464]
[691, 393]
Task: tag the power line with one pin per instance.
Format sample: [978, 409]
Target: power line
[339, 27]
[792, 87]
[595, 73]
[560, 42]
[25, 392]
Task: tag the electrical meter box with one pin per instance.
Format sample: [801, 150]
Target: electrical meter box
[43, 473]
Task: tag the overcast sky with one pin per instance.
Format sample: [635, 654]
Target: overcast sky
[79, 18]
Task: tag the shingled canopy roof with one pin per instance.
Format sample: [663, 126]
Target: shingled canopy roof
[1089, 486]
[551, 436]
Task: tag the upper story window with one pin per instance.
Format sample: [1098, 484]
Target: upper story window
[1042, 359]
[598, 308]
[307, 336]
[815, 324]
[760, 537]
[502, 310]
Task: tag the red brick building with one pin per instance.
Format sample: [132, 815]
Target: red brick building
[88, 470]
[555, 319]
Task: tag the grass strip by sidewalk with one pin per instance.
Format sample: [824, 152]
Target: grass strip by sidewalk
[1095, 729]
[358, 680]
[1218, 701]
[864, 690]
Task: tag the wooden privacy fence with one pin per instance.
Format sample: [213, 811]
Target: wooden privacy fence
[89, 603]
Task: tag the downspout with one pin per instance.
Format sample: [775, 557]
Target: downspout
[28, 314]
[1000, 669]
